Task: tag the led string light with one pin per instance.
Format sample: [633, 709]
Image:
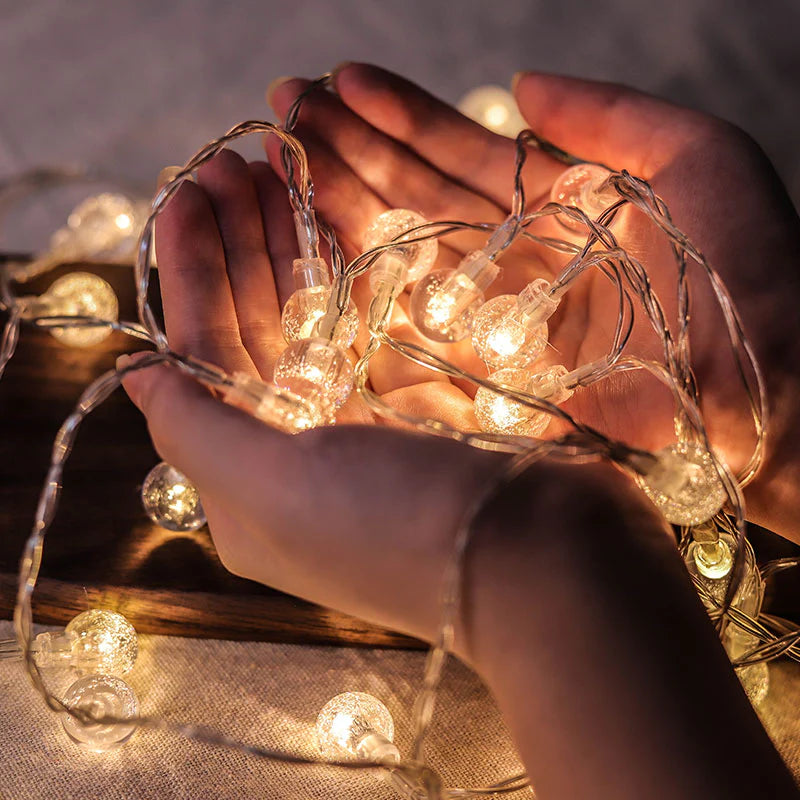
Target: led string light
[686, 480]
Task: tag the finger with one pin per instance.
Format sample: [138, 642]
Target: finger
[341, 197]
[606, 122]
[231, 190]
[276, 217]
[199, 311]
[480, 159]
[392, 170]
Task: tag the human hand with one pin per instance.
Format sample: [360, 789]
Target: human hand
[382, 142]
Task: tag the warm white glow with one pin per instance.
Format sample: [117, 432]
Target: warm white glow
[495, 108]
[85, 295]
[355, 724]
[171, 500]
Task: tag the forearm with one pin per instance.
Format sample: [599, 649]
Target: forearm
[601, 657]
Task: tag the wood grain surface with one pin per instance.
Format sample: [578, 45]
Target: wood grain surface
[102, 548]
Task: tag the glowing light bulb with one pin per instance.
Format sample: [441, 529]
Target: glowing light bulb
[107, 224]
[495, 108]
[316, 368]
[100, 696]
[684, 485]
[510, 331]
[171, 500]
[582, 186]
[79, 294]
[305, 309]
[277, 407]
[404, 263]
[356, 725]
[95, 641]
[499, 414]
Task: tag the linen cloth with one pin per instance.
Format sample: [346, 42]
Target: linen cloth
[269, 694]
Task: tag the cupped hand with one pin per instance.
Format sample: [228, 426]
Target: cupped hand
[381, 142]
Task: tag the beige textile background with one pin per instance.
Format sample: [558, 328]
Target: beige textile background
[269, 694]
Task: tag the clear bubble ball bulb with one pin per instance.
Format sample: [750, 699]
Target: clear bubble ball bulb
[493, 107]
[582, 186]
[100, 696]
[501, 338]
[171, 500]
[105, 224]
[444, 304]
[356, 725]
[409, 261]
[86, 295]
[497, 413]
[316, 368]
[684, 485]
[306, 307]
[98, 640]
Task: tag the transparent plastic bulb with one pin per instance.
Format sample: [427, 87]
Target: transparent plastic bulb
[501, 337]
[106, 224]
[171, 500]
[100, 696]
[404, 263]
[275, 406]
[95, 641]
[493, 107]
[444, 304]
[80, 294]
[356, 725]
[304, 310]
[582, 186]
[684, 485]
[316, 368]
[499, 414]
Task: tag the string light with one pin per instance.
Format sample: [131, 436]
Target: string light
[511, 330]
[493, 107]
[77, 294]
[171, 500]
[313, 377]
[100, 696]
[583, 186]
[356, 725]
[684, 485]
[497, 413]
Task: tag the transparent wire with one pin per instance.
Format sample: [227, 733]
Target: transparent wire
[600, 251]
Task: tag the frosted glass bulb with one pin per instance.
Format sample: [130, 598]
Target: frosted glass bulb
[304, 310]
[495, 108]
[316, 368]
[404, 263]
[171, 500]
[684, 485]
[582, 186]
[501, 338]
[355, 724]
[95, 641]
[100, 696]
[499, 414]
[80, 294]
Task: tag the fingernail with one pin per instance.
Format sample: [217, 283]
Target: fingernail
[518, 76]
[123, 361]
[273, 87]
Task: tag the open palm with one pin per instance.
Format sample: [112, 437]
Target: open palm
[381, 142]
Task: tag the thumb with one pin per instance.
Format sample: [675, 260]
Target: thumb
[606, 122]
